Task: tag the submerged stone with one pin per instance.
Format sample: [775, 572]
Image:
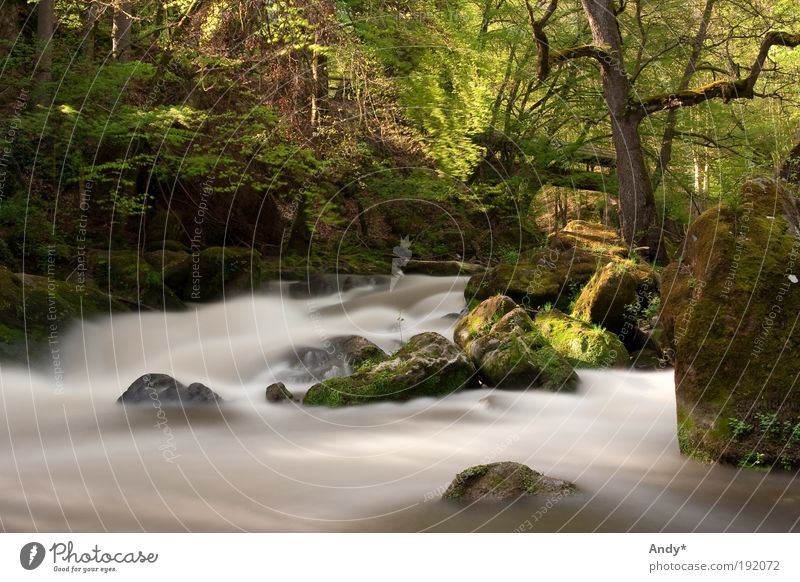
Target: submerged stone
[504, 481]
[278, 392]
[166, 389]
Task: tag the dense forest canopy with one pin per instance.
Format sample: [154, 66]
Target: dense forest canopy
[289, 120]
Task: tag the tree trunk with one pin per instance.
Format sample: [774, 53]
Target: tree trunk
[92, 15]
[121, 31]
[45, 22]
[790, 171]
[637, 211]
[665, 156]
[11, 22]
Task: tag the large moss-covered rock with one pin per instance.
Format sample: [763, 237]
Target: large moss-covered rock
[174, 267]
[222, 271]
[428, 365]
[616, 294]
[129, 276]
[591, 237]
[730, 306]
[554, 274]
[504, 481]
[43, 308]
[582, 344]
[480, 319]
[509, 351]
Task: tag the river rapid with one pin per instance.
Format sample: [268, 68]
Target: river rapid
[72, 459]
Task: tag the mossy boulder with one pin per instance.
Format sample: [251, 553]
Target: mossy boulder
[616, 294]
[509, 351]
[551, 275]
[218, 272]
[582, 344]
[591, 237]
[163, 227]
[174, 267]
[480, 319]
[43, 308]
[504, 481]
[428, 365]
[729, 311]
[130, 277]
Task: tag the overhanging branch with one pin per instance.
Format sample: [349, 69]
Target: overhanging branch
[725, 90]
[545, 60]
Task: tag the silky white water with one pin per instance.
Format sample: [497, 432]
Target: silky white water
[72, 459]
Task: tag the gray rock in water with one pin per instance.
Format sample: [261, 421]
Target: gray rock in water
[338, 357]
[166, 389]
[356, 350]
[504, 481]
[278, 392]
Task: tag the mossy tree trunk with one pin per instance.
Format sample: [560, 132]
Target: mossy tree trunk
[638, 216]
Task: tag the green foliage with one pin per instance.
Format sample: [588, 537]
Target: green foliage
[739, 428]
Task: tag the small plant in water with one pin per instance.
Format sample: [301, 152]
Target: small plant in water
[400, 320]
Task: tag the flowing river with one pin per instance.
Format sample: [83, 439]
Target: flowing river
[73, 459]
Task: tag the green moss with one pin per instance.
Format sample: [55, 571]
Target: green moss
[592, 237]
[222, 272]
[32, 307]
[130, 277]
[607, 298]
[428, 365]
[480, 320]
[688, 437]
[522, 361]
[583, 345]
[546, 276]
[732, 331]
[508, 350]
